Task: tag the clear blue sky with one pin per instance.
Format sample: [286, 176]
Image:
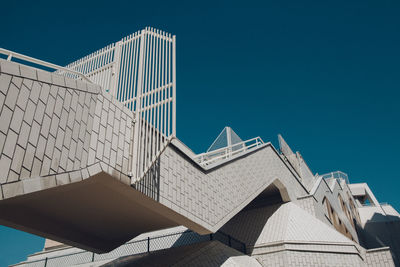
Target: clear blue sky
[324, 74]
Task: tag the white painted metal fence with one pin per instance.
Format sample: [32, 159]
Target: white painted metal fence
[289, 154]
[228, 152]
[336, 175]
[140, 72]
[11, 55]
[99, 67]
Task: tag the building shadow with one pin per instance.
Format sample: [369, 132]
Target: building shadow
[382, 231]
[150, 183]
[249, 223]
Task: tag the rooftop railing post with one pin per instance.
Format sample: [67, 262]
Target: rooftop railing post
[138, 114]
[174, 85]
[116, 69]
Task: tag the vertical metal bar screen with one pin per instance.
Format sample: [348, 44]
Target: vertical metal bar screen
[139, 71]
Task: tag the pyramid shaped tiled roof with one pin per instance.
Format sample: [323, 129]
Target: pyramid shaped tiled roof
[283, 222]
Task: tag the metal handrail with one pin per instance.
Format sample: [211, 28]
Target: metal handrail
[11, 54]
[139, 71]
[336, 175]
[224, 148]
[146, 246]
[227, 152]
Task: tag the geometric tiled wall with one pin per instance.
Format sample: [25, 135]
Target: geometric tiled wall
[50, 124]
[59, 126]
[211, 197]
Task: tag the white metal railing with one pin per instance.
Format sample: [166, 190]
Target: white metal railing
[227, 152]
[10, 55]
[155, 103]
[98, 66]
[371, 204]
[336, 175]
[291, 157]
[139, 71]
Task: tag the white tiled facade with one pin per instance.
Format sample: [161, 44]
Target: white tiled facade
[55, 131]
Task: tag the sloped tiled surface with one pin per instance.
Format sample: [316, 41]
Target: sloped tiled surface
[211, 197]
[286, 222]
[54, 125]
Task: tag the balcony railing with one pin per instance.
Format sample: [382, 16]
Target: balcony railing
[227, 152]
[10, 55]
[336, 175]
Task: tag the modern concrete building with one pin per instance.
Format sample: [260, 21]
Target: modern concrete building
[89, 159]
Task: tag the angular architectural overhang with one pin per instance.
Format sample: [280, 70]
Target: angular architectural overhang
[103, 210]
[97, 214]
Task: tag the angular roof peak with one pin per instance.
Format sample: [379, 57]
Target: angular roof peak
[227, 137]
